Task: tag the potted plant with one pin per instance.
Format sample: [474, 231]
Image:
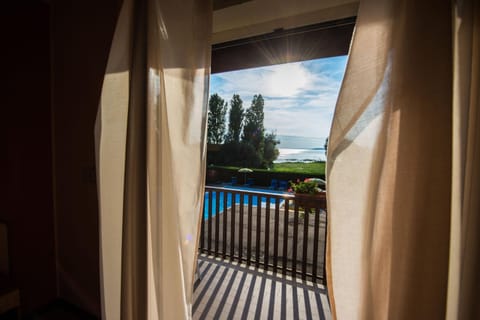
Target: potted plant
[308, 194]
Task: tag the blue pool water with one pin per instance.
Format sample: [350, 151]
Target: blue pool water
[255, 199]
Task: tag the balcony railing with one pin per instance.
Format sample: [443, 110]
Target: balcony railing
[277, 232]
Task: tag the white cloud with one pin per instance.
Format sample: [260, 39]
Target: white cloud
[287, 80]
[322, 100]
[299, 97]
[284, 80]
[303, 122]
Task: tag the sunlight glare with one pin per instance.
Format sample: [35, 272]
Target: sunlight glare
[286, 80]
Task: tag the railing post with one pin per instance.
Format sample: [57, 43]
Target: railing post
[305, 242]
[217, 222]
[285, 237]
[267, 233]
[259, 227]
[325, 250]
[315, 245]
[240, 228]
[225, 223]
[232, 230]
[275, 234]
[209, 237]
[249, 230]
[295, 240]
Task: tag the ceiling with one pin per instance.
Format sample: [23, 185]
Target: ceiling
[237, 19]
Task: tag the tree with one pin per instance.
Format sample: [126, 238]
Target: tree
[235, 119]
[253, 130]
[270, 152]
[256, 149]
[217, 109]
[325, 146]
[239, 154]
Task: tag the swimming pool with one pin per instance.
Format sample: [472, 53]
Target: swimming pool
[263, 200]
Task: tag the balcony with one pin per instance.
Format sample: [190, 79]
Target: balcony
[229, 290]
[262, 253]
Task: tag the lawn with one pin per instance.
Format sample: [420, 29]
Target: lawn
[313, 168]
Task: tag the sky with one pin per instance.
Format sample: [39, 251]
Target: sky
[299, 97]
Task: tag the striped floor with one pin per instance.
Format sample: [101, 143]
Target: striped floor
[232, 291]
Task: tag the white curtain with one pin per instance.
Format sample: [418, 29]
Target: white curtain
[151, 152]
[464, 275]
[396, 195]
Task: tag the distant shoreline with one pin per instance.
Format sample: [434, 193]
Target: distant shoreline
[300, 155]
[300, 161]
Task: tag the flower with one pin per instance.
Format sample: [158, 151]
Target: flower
[307, 186]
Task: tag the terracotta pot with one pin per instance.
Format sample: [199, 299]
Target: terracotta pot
[311, 201]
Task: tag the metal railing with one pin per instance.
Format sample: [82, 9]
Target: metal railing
[273, 231]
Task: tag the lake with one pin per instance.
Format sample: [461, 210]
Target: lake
[300, 149]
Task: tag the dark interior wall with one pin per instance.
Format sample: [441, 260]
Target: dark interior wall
[26, 197]
[82, 31]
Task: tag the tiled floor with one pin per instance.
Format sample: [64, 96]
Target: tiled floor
[232, 291]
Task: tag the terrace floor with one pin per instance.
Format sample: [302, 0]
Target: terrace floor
[234, 291]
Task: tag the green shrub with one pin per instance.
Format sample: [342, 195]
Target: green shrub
[310, 187]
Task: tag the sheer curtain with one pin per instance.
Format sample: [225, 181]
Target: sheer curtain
[396, 194]
[464, 276]
[151, 157]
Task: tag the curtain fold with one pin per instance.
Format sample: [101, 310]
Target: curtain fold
[389, 165]
[403, 166]
[150, 137]
[464, 278]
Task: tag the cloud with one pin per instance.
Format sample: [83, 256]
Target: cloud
[303, 122]
[299, 97]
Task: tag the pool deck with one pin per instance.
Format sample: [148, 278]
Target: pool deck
[234, 291]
